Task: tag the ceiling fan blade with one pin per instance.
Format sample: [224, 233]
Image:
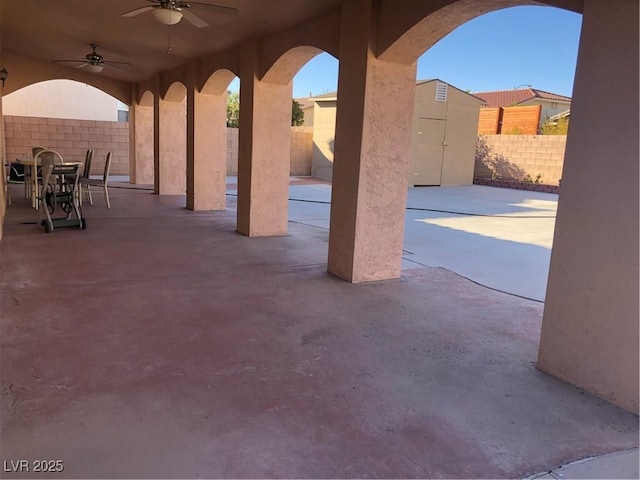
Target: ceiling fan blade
[194, 19]
[82, 65]
[217, 8]
[138, 11]
[119, 63]
[112, 64]
[63, 61]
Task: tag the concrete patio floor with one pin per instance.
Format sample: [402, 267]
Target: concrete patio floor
[160, 343]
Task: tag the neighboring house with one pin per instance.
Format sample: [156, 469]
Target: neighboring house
[443, 140]
[561, 115]
[66, 99]
[552, 104]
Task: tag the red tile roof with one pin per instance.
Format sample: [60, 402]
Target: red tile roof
[507, 98]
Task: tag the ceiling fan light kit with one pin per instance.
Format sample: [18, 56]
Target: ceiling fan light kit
[94, 68]
[170, 12]
[167, 16]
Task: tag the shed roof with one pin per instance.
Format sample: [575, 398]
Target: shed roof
[307, 102]
[421, 82]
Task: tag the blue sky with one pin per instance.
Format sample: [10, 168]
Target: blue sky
[501, 50]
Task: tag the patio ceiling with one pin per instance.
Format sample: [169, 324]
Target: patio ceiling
[63, 29]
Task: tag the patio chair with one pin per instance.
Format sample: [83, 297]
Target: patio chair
[86, 171]
[15, 175]
[87, 183]
[28, 172]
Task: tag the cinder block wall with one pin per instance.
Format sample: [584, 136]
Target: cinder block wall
[512, 157]
[232, 151]
[71, 138]
[301, 151]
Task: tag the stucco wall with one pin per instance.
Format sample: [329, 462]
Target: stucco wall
[232, 151]
[301, 151]
[71, 138]
[513, 157]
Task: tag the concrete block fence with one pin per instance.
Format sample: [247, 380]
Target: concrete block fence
[71, 138]
[511, 158]
[301, 151]
[507, 158]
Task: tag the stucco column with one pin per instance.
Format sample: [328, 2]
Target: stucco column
[371, 156]
[141, 146]
[264, 150]
[172, 147]
[206, 151]
[590, 325]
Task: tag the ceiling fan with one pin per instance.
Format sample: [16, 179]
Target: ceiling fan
[170, 12]
[95, 62]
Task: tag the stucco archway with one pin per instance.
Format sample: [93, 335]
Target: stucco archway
[266, 115]
[583, 341]
[289, 63]
[409, 29]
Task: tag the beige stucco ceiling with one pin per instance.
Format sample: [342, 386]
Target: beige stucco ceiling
[63, 29]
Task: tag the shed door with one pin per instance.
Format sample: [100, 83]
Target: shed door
[428, 152]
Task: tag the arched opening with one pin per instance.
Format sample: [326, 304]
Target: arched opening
[264, 166]
[312, 145]
[69, 117]
[226, 83]
[314, 77]
[26, 71]
[446, 150]
[566, 350]
[214, 153]
[450, 147]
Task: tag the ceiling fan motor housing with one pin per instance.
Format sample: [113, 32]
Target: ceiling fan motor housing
[93, 57]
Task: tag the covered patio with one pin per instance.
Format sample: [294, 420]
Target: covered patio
[161, 343]
[226, 341]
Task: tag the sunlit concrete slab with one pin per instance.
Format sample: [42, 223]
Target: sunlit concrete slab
[500, 238]
[161, 343]
[497, 237]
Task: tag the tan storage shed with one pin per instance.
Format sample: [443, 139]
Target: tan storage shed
[443, 142]
[444, 137]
